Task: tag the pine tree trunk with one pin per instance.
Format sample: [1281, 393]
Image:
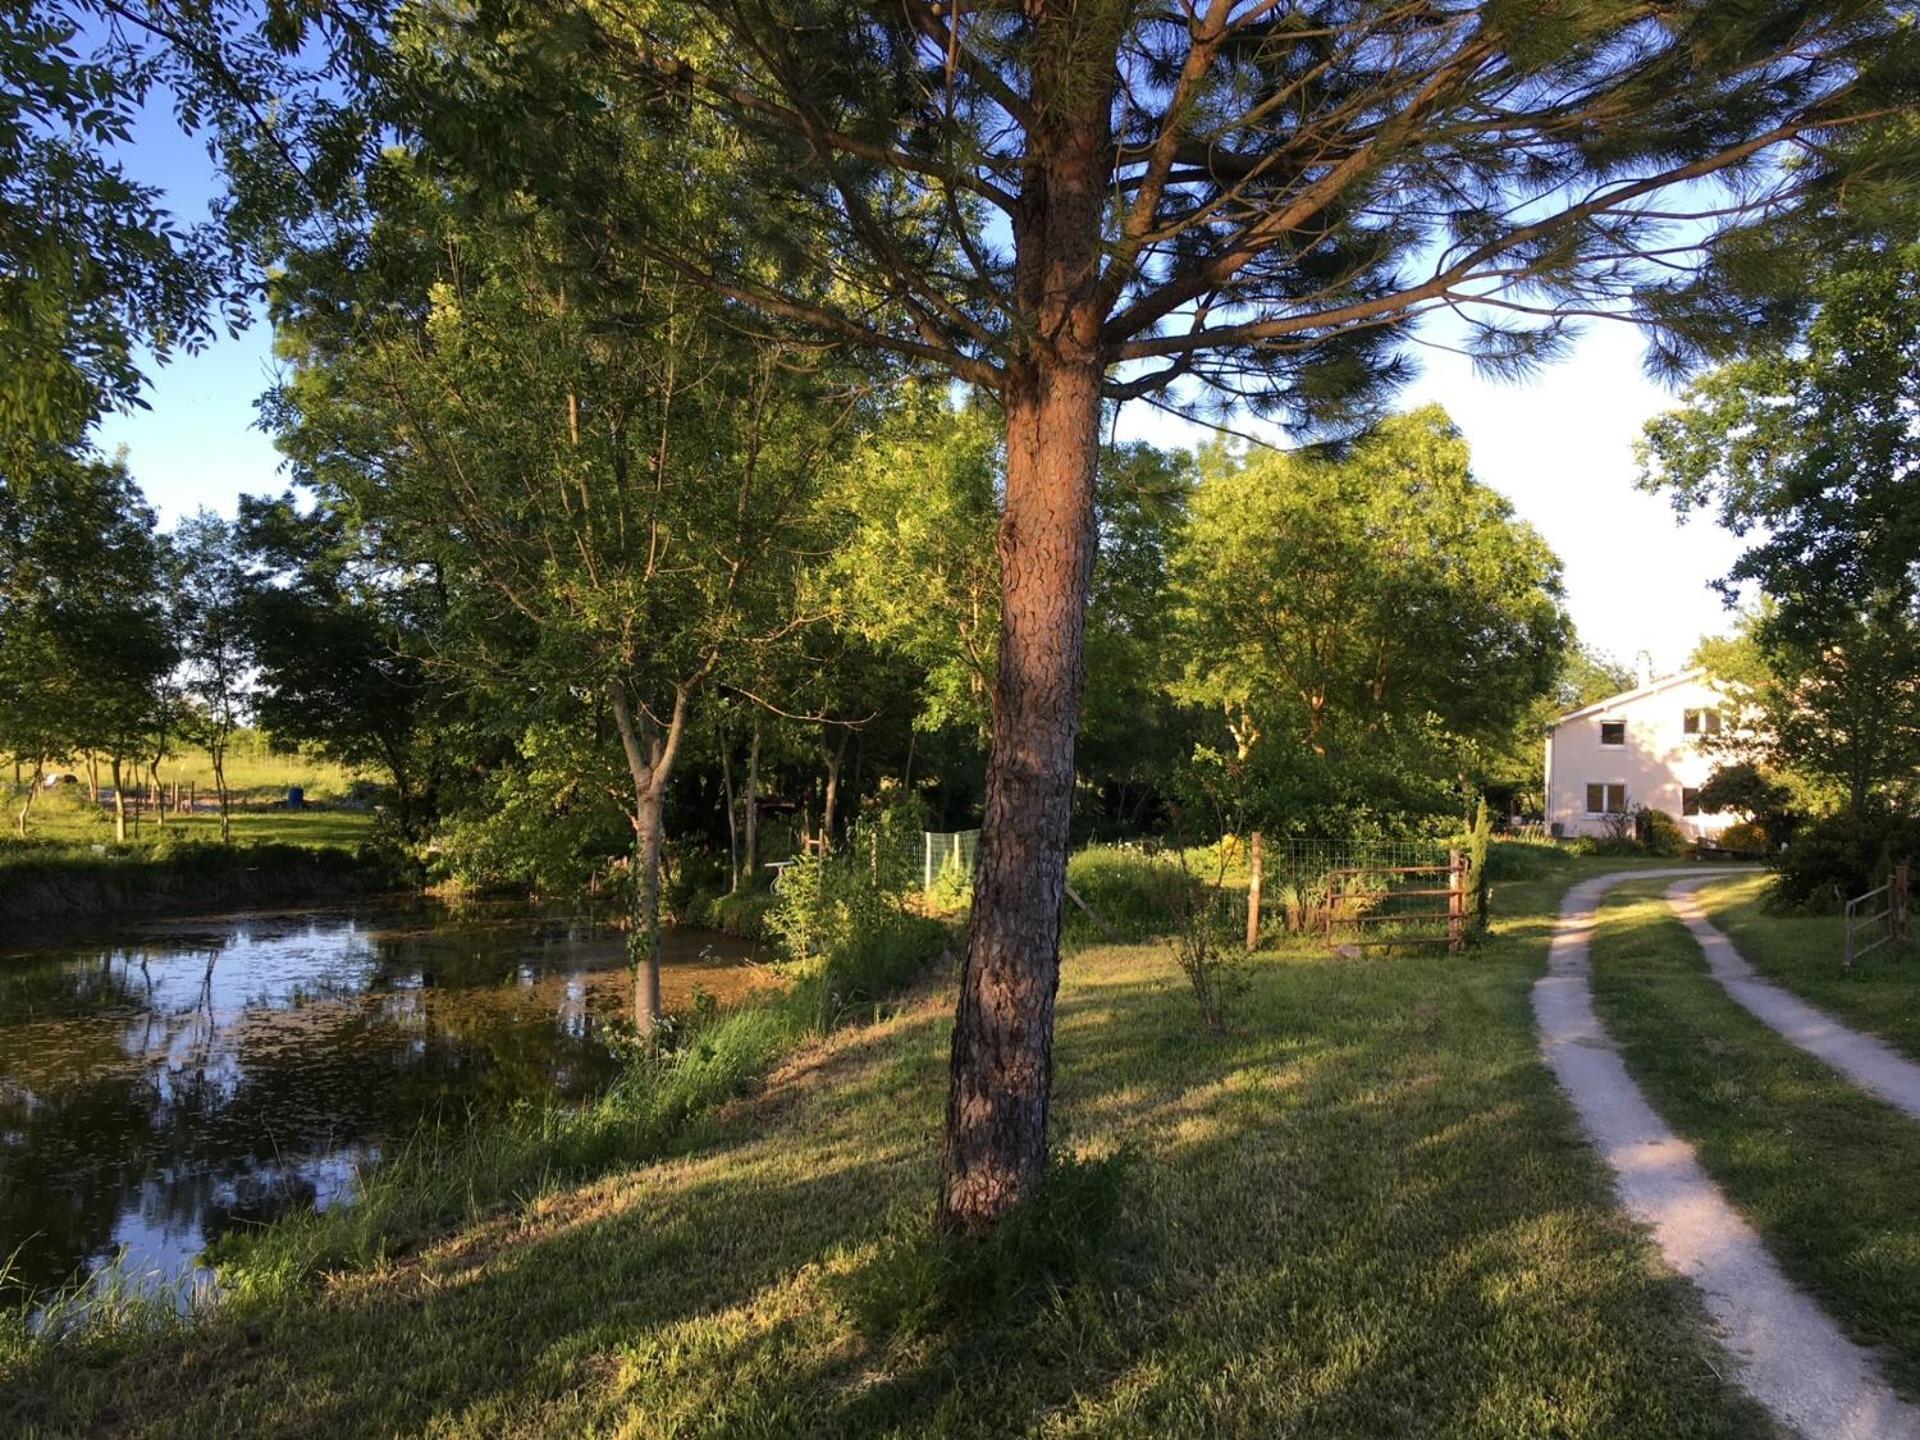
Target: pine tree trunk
[1002, 1059]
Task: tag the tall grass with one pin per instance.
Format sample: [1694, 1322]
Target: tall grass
[1136, 895]
[448, 1175]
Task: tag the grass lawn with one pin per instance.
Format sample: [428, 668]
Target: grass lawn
[1803, 953]
[1366, 1212]
[1829, 1176]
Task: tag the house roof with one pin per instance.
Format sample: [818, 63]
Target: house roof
[1627, 697]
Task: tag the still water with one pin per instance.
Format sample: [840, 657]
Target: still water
[167, 1080]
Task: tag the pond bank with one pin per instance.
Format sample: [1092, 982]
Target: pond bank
[56, 882]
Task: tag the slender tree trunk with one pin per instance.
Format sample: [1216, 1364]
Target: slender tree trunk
[156, 794]
[219, 756]
[119, 804]
[643, 933]
[650, 756]
[830, 797]
[33, 789]
[750, 801]
[733, 818]
[1002, 1060]
[93, 777]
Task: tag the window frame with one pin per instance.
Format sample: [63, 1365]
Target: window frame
[1690, 801]
[1699, 722]
[1603, 786]
[1621, 743]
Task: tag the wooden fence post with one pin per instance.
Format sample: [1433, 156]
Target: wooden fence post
[1902, 873]
[1456, 902]
[1253, 893]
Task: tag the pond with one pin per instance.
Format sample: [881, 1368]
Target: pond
[170, 1079]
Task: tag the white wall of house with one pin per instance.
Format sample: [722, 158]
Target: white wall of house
[1637, 748]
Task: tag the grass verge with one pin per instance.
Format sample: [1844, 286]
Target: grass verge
[1827, 1174]
[1803, 953]
[1363, 1211]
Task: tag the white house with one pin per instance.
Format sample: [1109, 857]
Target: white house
[1640, 747]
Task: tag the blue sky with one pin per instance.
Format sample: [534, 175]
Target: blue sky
[1560, 446]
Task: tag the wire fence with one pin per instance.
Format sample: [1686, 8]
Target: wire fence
[956, 850]
[1308, 862]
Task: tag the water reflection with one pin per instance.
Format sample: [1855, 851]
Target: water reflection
[164, 1083]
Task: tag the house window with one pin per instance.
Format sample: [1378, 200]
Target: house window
[1613, 732]
[1689, 800]
[1702, 722]
[1606, 799]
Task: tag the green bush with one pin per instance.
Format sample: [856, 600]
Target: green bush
[1137, 895]
[1527, 859]
[866, 967]
[743, 914]
[952, 887]
[1747, 837]
[1659, 833]
[1831, 860]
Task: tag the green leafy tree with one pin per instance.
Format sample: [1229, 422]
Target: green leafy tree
[1355, 621]
[1841, 712]
[85, 646]
[211, 591]
[611, 484]
[1813, 450]
[336, 639]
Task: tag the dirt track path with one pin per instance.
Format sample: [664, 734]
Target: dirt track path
[1870, 1063]
[1791, 1357]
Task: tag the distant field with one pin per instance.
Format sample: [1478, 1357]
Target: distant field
[253, 771]
[258, 779]
[74, 824]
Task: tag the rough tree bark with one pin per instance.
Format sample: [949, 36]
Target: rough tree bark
[1002, 1057]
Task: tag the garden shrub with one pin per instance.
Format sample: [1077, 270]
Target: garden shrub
[743, 913]
[1833, 859]
[952, 887]
[1747, 837]
[1658, 833]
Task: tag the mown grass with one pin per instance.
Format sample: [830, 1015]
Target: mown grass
[1364, 1211]
[253, 769]
[1829, 1176]
[1804, 953]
